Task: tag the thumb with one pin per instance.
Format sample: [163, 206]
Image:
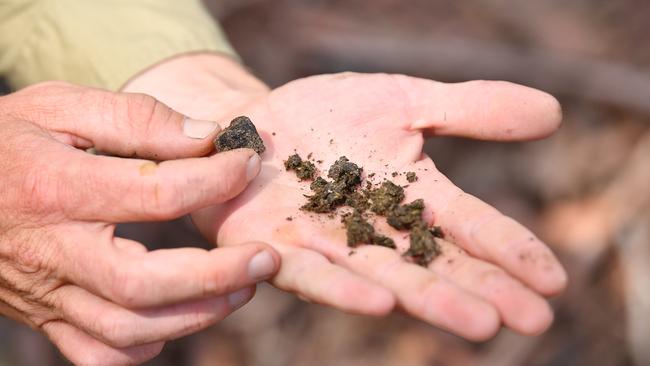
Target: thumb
[122, 124]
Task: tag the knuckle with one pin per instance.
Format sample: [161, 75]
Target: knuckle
[197, 320]
[114, 331]
[143, 112]
[48, 193]
[27, 271]
[228, 188]
[215, 283]
[131, 115]
[141, 107]
[26, 253]
[31, 251]
[19, 301]
[125, 288]
[162, 201]
[228, 185]
[41, 190]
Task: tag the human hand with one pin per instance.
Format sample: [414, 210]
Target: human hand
[492, 270]
[103, 299]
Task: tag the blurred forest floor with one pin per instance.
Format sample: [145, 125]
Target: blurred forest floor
[585, 190]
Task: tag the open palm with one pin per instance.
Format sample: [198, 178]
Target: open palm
[492, 271]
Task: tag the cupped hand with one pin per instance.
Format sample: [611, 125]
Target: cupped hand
[103, 299]
[492, 270]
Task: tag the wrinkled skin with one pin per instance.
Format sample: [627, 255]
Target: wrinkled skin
[102, 299]
[492, 271]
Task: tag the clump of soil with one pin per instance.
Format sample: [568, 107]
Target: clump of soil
[359, 200]
[329, 195]
[406, 216]
[360, 231]
[423, 245]
[344, 189]
[240, 134]
[385, 198]
[345, 173]
[326, 198]
[305, 169]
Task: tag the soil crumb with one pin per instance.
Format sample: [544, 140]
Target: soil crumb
[385, 198]
[326, 198]
[436, 231]
[360, 231]
[423, 247]
[411, 177]
[345, 173]
[404, 217]
[305, 169]
[240, 134]
[358, 200]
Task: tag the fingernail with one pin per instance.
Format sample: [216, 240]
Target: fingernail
[253, 167]
[239, 298]
[261, 266]
[198, 129]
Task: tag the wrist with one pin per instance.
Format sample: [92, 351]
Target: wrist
[202, 86]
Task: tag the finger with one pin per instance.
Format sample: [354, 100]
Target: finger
[487, 234]
[170, 276]
[520, 309]
[121, 328]
[118, 123]
[420, 292]
[485, 110]
[102, 188]
[315, 279]
[82, 349]
[426, 296]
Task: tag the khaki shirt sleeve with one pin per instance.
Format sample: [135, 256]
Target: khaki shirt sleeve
[100, 43]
